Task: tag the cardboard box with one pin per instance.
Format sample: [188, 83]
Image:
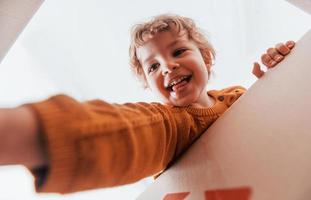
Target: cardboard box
[259, 149]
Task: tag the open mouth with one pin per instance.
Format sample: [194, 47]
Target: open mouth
[174, 85]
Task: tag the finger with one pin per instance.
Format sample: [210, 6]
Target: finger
[268, 61]
[282, 49]
[257, 71]
[290, 44]
[274, 54]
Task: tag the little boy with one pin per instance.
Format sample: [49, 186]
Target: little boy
[72, 146]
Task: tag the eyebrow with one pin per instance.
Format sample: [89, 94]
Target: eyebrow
[168, 46]
[147, 59]
[172, 43]
[175, 42]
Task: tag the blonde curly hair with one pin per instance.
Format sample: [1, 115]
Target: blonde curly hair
[141, 33]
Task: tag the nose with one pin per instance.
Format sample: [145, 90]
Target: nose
[169, 67]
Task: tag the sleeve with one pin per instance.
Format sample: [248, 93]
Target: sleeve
[96, 144]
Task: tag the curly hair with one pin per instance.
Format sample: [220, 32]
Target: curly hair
[143, 32]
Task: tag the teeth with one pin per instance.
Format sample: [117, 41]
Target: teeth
[175, 81]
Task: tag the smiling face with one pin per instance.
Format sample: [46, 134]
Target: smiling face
[175, 69]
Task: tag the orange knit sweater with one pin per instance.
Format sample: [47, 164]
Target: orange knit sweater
[96, 144]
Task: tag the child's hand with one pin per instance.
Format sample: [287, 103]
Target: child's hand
[272, 57]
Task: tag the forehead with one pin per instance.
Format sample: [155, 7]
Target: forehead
[159, 43]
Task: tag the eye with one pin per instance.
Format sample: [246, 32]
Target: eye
[178, 52]
[153, 67]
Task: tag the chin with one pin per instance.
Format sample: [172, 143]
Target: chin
[182, 102]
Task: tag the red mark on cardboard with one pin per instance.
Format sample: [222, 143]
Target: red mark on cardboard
[243, 193]
[229, 194]
[176, 196]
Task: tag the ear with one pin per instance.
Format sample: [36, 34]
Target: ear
[207, 59]
[208, 64]
[208, 67]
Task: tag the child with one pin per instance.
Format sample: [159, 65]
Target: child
[72, 146]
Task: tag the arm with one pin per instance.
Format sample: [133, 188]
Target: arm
[20, 142]
[272, 57]
[88, 145]
[96, 144]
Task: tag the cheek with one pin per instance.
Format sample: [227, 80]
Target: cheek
[156, 83]
[153, 82]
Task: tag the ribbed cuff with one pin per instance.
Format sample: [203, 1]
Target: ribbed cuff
[53, 116]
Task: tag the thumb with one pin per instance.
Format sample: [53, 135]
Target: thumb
[257, 71]
[290, 44]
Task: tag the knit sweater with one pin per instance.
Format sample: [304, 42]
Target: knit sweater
[96, 144]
